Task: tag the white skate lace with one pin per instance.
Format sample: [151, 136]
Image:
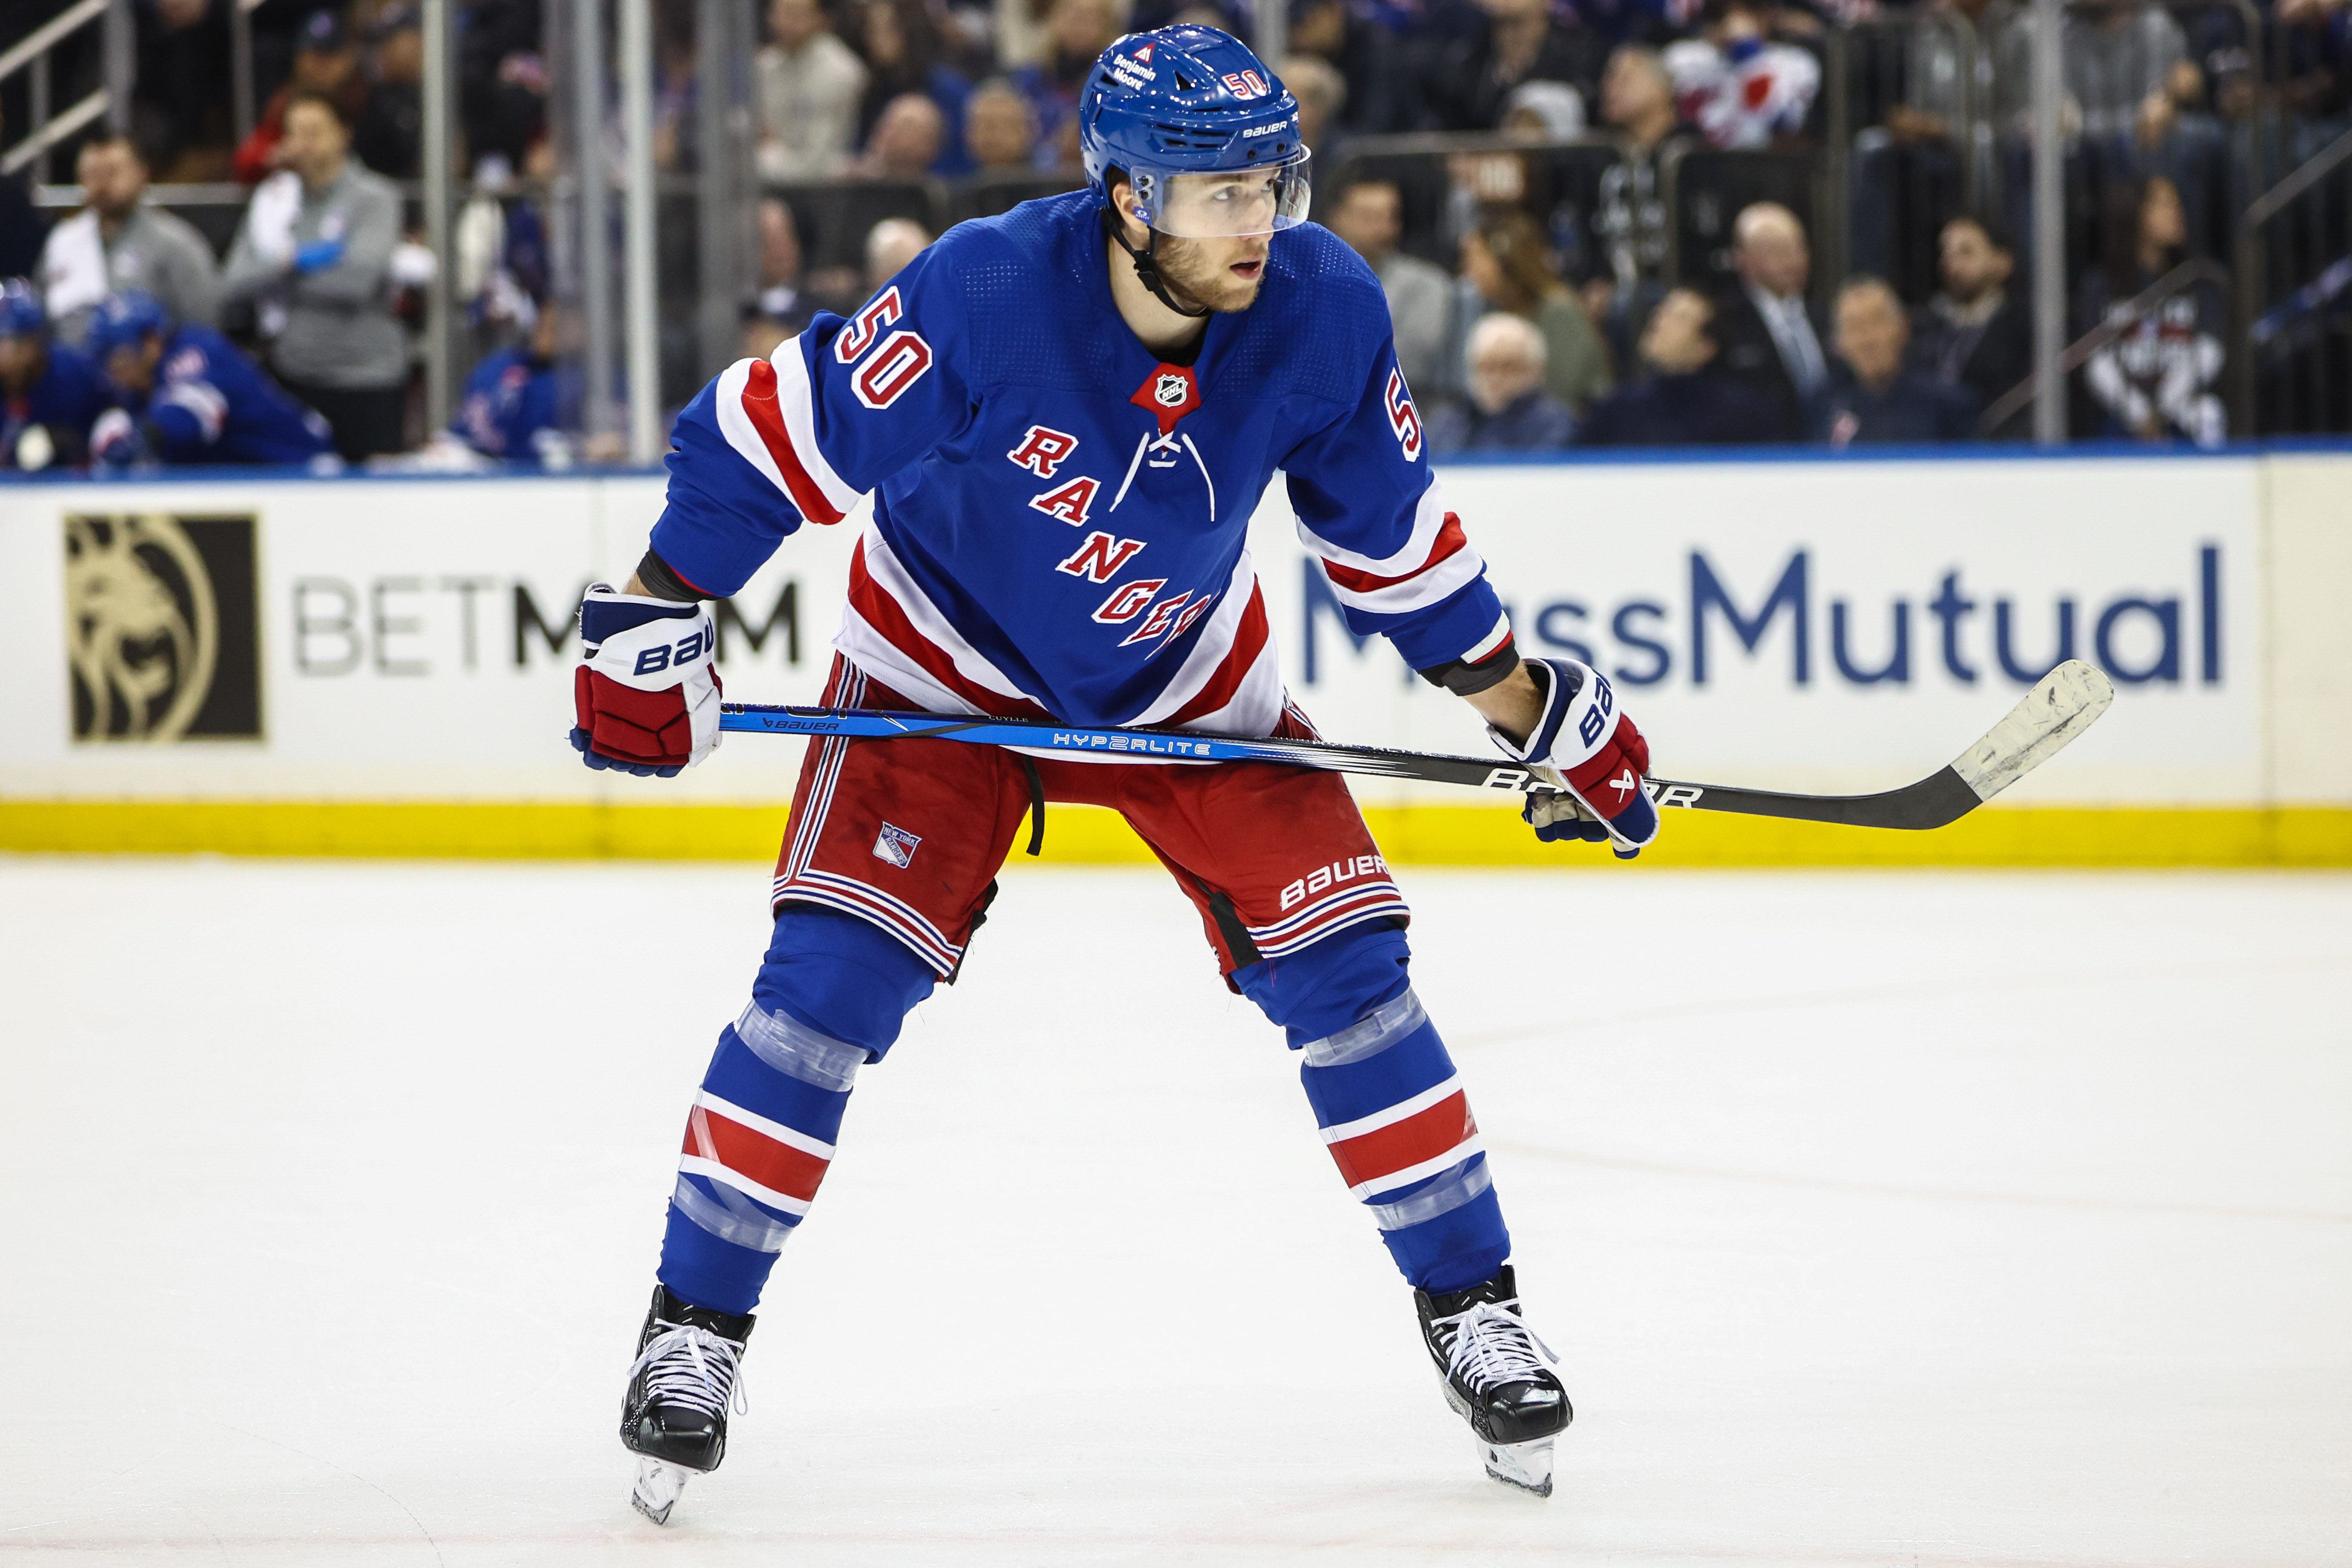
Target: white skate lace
[1491, 1347]
[693, 1367]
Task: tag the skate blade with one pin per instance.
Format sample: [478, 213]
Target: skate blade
[657, 1487]
[1527, 1466]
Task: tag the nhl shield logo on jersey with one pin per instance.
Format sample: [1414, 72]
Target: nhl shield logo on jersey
[896, 846]
[1168, 393]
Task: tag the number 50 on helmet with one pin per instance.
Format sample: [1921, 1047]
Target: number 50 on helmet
[1204, 133]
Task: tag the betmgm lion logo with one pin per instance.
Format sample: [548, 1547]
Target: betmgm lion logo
[161, 628]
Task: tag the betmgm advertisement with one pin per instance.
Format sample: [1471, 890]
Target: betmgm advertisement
[341, 648]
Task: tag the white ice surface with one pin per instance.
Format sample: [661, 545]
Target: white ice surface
[1880, 1219]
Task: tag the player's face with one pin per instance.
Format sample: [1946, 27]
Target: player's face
[20, 361]
[131, 366]
[1222, 274]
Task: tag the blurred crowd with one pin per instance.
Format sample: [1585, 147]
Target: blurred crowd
[1534, 310]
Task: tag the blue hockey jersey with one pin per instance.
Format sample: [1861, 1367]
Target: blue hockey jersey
[508, 400]
[212, 404]
[1060, 518]
[67, 398]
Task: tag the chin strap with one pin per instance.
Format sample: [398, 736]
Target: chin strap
[1146, 267]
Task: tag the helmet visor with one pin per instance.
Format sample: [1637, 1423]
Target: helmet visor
[1229, 204]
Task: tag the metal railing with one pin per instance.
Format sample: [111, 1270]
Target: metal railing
[47, 126]
[2122, 318]
[2288, 271]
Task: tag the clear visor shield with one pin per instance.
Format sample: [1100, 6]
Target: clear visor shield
[1227, 204]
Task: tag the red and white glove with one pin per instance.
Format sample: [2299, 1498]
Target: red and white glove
[646, 691]
[1591, 747]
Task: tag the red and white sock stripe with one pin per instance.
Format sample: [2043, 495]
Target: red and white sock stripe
[1414, 1138]
[778, 1165]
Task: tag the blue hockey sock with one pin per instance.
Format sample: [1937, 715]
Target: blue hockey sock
[1389, 1105]
[829, 998]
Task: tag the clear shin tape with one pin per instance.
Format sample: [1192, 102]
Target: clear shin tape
[1369, 1036]
[732, 1216]
[1448, 1193]
[791, 1048]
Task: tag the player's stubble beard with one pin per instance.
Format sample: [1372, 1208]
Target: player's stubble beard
[1198, 271]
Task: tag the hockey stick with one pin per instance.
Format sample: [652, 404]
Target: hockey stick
[2061, 708]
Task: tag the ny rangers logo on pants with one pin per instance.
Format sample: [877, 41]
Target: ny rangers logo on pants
[896, 846]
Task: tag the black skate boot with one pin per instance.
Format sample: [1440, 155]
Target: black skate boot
[1495, 1380]
[680, 1385]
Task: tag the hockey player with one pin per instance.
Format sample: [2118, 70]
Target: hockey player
[189, 397]
[49, 394]
[1065, 416]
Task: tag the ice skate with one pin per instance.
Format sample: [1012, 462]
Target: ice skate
[1496, 1379]
[684, 1379]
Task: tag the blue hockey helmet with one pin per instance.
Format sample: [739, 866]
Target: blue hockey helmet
[21, 312]
[123, 318]
[1192, 100]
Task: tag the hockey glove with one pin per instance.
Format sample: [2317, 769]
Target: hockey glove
[117, 441]
[646, 691]
[1587, 744]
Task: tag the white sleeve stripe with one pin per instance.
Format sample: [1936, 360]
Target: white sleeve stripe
[1419, 591]
[202, 399]
[797, 399]
[1491, 641]
[736, 425]
[1428, 518]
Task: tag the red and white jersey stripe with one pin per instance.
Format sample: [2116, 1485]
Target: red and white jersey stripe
[767, 413]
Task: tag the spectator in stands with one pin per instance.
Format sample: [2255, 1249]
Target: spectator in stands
[315, 253]
[1630, 227]
[388, 135]
[1321, 93]
[502, 79]
[1684, 397]
[1364, 53]
[1000, 129]
[890, 246]
[1522, 40]
[512, 406]
[188, 396]
[118, 241]
[2160, 379]
[1076, 32]
[1739, 89]
[2175, 137]
[1505, 259]
[327, 64]
[902, 49]
[777, 307]
[23, 229]
[810, 86]
[180, 66]
[50, 395]
[906, 141]
[1907, 174]
[2115, 54]
[1873, 397]
[1368, 215]
[1508, 409]
[1974, 333]
[1770, 340]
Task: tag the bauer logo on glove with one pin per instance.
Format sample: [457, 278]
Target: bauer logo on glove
[1591, 752]
[646, 692]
